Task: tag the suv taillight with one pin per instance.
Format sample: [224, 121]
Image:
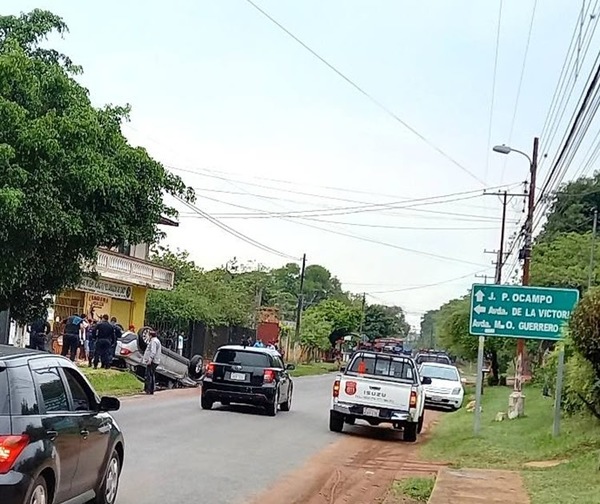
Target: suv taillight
[125, 351]
[269, 376]
[210, 370]
[10, 448]
[336, 388]
[413, 399]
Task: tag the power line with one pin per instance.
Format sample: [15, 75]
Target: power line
[234, 232]
[489, 143]
[356, 237]
[520, 85]
[376, 102]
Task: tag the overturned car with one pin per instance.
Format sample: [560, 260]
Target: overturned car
[173, 371]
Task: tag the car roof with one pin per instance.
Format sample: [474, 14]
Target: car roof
[12, 355]
[263, 350]
[439, 364]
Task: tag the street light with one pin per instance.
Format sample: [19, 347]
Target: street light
[505, 149]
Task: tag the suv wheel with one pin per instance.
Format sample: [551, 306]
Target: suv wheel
[287, 405]
[274, 406]
[110, 485]
[205, 403]
[39, 492]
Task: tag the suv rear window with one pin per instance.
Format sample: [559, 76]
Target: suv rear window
[242, 358]
[378, 365]
[440, 359]
[4, 392]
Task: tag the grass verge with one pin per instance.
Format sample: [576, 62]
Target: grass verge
[112, 382]
[316, 368]
[416, 489]
[510, 444]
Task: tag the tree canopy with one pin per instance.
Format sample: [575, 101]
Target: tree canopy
[385, 321]
[69, 180]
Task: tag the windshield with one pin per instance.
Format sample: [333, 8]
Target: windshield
[242, 358]
[441, 359]
[439, 373]
[377, 365]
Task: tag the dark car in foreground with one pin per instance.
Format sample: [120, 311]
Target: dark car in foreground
[248, 375]
[58, 443]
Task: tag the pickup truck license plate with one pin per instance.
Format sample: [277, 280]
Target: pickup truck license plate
[238, 376]
[374, 412]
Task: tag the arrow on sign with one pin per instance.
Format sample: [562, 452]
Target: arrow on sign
[479, 296]
[479, 309]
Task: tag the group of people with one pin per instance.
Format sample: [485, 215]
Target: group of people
[272, 345]
[83, 337]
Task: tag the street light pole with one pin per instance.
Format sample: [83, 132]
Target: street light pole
[526, 252]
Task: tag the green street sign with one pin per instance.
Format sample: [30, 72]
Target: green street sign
[520, 312]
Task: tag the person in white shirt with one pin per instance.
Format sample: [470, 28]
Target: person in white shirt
[151, 360]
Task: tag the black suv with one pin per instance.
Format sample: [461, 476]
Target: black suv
[248, 375]
[58, 442]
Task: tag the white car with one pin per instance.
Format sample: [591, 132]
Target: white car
[379, 388]
[446, 388]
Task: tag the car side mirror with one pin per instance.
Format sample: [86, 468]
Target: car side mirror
[463, 381]
[426, 380]
[109, 404]
[343, 369]
[290, 367]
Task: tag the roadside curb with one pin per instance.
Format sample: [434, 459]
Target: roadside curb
[467, 486]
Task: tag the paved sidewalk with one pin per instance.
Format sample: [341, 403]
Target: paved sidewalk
[474, 486]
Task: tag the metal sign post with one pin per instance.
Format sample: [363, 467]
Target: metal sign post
[479, 386]
[559, 386]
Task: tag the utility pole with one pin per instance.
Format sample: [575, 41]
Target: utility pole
[500, 252]
[300, 298]
[527, 254]
[594, 227]
[485, 278]
[362, 318]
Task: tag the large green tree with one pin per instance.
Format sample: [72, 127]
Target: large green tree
[385, 321]
[69, 180]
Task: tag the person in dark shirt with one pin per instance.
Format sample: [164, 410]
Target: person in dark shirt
[105, 338]
[71, 336]
[38, 332]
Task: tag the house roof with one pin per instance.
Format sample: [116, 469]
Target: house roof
[165, 221]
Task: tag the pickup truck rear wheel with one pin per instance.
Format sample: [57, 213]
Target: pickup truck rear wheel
[336, 422]
[421, 421]
[410, 432]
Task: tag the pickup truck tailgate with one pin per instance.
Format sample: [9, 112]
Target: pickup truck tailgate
[368, 392]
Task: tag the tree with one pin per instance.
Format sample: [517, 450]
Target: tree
[426, 337]
[315, 330]
[563, 261]
[572, 208]
[69, 180]
[385, 321]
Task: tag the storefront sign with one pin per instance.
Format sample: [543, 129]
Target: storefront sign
[97, 305]
[113, 290]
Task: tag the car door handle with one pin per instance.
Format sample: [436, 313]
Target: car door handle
[84, 433]
[52, 434]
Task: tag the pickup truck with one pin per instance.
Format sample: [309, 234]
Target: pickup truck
[379, 388]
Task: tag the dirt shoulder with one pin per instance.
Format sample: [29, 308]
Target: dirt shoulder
[357, 469]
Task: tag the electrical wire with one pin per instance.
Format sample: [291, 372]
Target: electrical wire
[235, 233]
[520, 85]
[497, 50]
[356, 237]
[370, 97]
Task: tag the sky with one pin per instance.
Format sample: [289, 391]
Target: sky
[248, 116]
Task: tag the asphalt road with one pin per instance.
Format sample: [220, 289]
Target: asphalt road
[175, 452]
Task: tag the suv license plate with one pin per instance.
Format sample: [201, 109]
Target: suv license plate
[238, 376]
[374, 412]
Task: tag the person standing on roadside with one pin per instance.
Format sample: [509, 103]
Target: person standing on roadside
[151, 360]
[71, 337]
[105, 338]
[38, 332]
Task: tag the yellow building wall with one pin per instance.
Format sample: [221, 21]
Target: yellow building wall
[121, 309]
[138, 306]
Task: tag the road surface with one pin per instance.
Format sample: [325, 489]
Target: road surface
[175, 452]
